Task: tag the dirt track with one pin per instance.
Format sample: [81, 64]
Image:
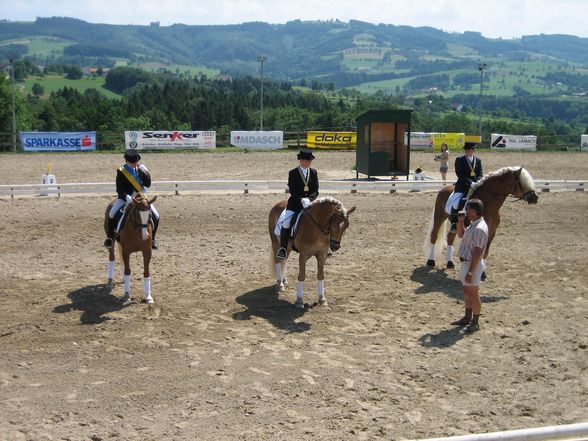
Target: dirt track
[220, 356]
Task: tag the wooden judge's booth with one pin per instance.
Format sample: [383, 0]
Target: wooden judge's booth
[382, 149]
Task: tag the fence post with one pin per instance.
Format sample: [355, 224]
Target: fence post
[393, 188]
[177, 192]
[545, 189]
[580, 186]
[354, 189]
[246, 189]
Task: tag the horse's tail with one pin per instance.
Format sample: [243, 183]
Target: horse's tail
[441, 241]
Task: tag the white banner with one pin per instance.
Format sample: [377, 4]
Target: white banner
[258, 140]
[419, 141]
[513, 142]
[584, 143]
[177, 139]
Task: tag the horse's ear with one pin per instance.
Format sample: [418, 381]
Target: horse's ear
[519, 171]
[152, 200]
[351, 210]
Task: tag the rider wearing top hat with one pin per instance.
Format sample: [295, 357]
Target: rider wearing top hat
[131, 178]
[468, 169]
[304, 188]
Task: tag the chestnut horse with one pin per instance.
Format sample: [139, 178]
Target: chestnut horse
[492, 190]
[134, 235]
[320, 230]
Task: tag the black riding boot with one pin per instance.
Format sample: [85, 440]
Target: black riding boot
[154, 243]
[453, 220]
[110, 234]
[284, 238]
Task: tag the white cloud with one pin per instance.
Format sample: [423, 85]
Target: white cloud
[496, 18]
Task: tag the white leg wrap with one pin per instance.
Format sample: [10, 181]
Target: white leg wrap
[279, 275]
[299, 289]
[449, 252]
[320, 288]
[147, 286]
[110, 270]
[127, 280]
[431, 251]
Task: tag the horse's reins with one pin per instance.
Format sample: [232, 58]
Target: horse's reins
[517, 182]
[328, 231]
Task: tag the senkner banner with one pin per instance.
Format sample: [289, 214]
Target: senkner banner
[177, 139]
[513, 142]
[331, 140]
[57, 141]
[270, 140]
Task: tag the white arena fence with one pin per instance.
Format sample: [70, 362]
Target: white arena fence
[576, 432]
[260, 186]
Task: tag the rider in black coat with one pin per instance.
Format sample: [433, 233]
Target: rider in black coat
[304, 188]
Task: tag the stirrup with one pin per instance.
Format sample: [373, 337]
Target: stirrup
[282, 253]
[108, 242]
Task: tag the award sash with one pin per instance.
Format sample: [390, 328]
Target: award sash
[133, 177]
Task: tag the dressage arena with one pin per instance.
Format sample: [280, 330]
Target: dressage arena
[221, 357]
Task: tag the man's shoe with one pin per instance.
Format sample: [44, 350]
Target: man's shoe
[472, 328]
[282, 253]
[154, 244]
[108, 242]
[461, 322]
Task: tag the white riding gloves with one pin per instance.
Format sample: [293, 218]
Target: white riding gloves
[128, 199]
[305, 202]
[142, 167]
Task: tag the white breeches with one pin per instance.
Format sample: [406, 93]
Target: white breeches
[453, 201]
[284, 221]
[119, 203]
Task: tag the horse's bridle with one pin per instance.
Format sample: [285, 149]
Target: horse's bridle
[328, 231]
[516, 183]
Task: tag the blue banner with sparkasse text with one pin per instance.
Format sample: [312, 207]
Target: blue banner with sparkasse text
[57, 141]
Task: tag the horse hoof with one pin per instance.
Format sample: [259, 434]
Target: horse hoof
[450, 264]
[299, 304]
[280, 287]
[483, 277]
[110, 284]
[430, 262]
[126, 297]
[322, 301]
[149, 300]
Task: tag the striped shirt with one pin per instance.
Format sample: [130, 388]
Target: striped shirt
[476, 235]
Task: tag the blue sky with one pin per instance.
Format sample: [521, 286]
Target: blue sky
[493, 18]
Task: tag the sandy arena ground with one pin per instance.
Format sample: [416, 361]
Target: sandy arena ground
[221, 357]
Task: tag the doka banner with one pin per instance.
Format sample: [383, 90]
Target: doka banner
[57, 141]
[584, 143]
[170, 140]
[331, 140]
[513, 142]
[258, 140]
[454, 141]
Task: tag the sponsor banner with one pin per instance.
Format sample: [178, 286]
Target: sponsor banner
[163, 139]
[473, 138]
[258, 140]
[513, 142]
[57, 141]
[584, 143]
[419, 141]
[454, 141]
[331, 140]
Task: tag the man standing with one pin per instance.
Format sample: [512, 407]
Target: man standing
[474, 239]
[468, 169]
[304, 188]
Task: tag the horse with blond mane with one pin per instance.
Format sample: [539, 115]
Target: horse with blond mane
[320, 230]
[135, 235]
[492, 190]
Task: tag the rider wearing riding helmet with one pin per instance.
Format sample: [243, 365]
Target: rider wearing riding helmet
[304, 188]
[468, 169]
[131, 178]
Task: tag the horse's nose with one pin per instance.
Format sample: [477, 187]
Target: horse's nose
[335, 245]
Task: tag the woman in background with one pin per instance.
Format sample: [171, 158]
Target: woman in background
[443, 159]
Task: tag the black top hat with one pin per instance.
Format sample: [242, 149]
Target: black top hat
[306, 154]
[470, 145]
[132, 155]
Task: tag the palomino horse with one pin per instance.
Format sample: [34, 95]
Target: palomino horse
[492, 190]
[135, 235]
[320, 230]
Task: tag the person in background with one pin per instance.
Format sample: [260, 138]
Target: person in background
[443, 159]
[131, 178]
[303, 184]
[474, 239]
[468, 169]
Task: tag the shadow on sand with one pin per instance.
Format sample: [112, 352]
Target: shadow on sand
[266, 304]
[94, 301]
[434, 279]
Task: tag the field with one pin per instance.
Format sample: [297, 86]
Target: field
[53, 83]
[220, 356]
